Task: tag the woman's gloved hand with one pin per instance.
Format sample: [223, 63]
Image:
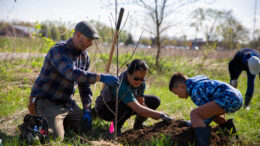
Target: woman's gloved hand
[165, 117]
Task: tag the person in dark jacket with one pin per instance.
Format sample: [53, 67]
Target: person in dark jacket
[66, 65]
[131, 98]
[248, 60]
[213, 98]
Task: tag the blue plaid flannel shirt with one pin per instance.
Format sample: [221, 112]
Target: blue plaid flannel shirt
[63, 68]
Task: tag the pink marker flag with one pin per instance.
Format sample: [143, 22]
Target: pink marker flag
[111, 129]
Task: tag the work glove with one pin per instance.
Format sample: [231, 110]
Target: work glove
[109, 80]
[166, 118]
[87, 120]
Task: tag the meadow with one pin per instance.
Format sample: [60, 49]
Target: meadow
[18, 75]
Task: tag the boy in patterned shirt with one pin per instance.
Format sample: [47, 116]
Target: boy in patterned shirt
[213, 98]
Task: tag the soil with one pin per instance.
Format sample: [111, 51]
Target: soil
[178, 132]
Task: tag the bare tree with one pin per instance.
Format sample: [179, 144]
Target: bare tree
[157, 11]
[206, 21]
[232, 32]
[256, 41]
[156, 20]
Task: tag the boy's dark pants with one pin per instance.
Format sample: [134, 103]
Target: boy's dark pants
[125, 112]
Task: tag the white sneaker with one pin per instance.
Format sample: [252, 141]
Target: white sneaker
[246, 107]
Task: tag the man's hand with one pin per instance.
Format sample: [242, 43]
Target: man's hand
[165, 117]
[109, 79]
[87, 120]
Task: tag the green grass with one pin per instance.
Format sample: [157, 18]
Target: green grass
[17, 44]
[17, 78]
[161, 141]
[12, 44]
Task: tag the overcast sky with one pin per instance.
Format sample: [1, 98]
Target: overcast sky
[72, 11]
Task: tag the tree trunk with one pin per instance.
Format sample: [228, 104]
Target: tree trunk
[158, 51]
[158, 47]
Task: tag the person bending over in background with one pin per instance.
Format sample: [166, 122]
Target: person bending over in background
[131, 98]
[66, 64]
[213, 98]
[248, 60]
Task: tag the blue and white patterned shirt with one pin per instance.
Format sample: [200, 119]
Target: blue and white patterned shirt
[203, 90]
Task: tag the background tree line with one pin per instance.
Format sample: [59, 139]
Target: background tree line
[59, 31]
[221, 29]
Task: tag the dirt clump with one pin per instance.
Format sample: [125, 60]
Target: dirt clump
[177, 131]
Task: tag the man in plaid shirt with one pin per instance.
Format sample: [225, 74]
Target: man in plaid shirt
[66, 64]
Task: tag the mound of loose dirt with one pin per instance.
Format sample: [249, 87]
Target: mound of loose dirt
[178, 131]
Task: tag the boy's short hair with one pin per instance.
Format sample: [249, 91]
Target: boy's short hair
[176, 79]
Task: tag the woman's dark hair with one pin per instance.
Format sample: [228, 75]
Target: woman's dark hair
[176, 79]
[136, 65]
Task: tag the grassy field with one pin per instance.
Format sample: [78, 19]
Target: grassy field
[17, 77]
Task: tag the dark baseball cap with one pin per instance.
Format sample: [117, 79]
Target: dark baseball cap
[87, 30]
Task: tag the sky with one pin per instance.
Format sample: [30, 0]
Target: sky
[72, 11]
